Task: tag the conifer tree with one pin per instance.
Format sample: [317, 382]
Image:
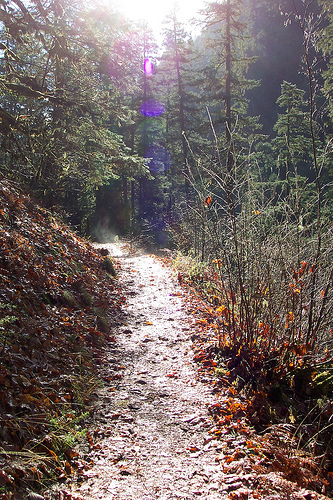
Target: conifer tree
[293, 141]
[175, 87]
[325, 43]
[227, 41]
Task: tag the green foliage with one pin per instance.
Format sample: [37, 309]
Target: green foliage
[293, 141]
[270, 243]
[176, 86]
[108, 265]
[277, 44]
[226, 26]
[66, 431]
[59, 103]
[7, 319]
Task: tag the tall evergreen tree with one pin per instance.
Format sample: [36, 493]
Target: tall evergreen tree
[227, 40]
[173, 81]
[293, 141]
[326, 45]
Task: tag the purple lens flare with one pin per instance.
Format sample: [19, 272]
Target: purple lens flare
[152, 108]
[148, 67]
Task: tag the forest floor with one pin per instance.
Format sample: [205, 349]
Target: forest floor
[111, 386]
[154, 432]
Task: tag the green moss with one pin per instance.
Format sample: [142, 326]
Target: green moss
[68, 299]
[108, 266]
[220, 372]
[103, 324]
[323, 382]
[86, 298]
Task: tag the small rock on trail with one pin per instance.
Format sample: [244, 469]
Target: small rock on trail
[153, 422]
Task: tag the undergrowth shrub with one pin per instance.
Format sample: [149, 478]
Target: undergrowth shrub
[273, 285]
[262, 258]
[267, 283]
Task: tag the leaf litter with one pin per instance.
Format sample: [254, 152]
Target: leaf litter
[151, 418]
[57, 306]
[167, 429]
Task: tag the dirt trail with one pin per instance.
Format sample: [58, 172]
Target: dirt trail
[154, 439]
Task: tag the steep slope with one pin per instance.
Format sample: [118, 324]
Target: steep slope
[57, 304]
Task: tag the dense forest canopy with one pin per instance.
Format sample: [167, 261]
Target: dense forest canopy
[89, 129]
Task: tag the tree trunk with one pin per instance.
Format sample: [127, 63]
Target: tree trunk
[228, 122]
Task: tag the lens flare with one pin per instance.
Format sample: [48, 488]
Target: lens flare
[148, 67]
[152, 108]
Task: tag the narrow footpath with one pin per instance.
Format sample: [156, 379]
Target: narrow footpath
[153, 436]
[153, 422]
